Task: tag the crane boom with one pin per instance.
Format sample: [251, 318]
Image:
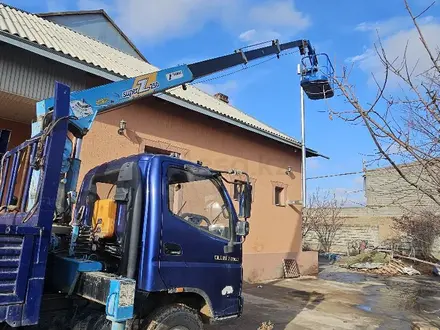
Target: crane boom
[207, 67]
[85, 104]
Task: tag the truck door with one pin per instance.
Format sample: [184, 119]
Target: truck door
[197, 218]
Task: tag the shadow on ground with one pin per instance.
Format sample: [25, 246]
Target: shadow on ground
[271, 303]
[340, 299]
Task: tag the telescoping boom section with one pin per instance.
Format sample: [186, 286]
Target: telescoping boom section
[39, 180]
[87, 103]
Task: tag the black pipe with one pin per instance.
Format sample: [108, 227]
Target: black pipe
[135, 232]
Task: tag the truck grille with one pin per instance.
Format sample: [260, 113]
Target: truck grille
[10, 252]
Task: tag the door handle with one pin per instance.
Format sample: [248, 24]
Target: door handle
[172, 249]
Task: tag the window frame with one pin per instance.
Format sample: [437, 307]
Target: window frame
[279, 192]
[283, 193]
[220, 188]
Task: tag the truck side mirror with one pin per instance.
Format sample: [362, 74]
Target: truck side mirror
[245, 202]
[242, 228]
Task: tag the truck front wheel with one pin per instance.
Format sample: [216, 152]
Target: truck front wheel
[174, 317]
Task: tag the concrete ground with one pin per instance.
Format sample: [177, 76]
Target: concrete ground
[338, 299]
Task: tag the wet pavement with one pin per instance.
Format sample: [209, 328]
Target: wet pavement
[338, 299]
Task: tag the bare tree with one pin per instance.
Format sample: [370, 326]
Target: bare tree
[323, 217]
[404, 124]
[421, 230]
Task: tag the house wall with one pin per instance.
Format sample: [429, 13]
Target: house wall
[275, 230]
[27, 74]
[19, 132]
[26, 78]
[96, 26]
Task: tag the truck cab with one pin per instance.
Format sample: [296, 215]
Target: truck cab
[168, 223]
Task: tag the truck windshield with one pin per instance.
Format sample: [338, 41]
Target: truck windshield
[199, 201]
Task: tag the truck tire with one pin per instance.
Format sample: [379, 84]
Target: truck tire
[174, 317]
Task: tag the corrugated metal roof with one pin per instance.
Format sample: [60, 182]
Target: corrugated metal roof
[80, 47]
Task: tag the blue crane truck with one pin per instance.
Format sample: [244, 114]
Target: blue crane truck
[149, 242]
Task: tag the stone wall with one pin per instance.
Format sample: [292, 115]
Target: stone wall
[436, 248]
[384, 187]
[376, 230]
[347, 234]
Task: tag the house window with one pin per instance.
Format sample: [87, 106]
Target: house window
[279, 193]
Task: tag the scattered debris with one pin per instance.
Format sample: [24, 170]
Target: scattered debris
[367, 265]
[332, 257]
[356, 247]
[423, 326]
[266, 326]
[380, 263]
[436, 270]
[410, 271]
[363, 258]
[411, 258]
[393, 268]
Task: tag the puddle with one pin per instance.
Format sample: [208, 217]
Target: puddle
[397, 300]
[337, 274]
[365, 308]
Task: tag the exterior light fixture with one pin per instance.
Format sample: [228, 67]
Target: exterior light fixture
[122, 127]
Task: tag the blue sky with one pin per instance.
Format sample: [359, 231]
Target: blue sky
[171, 32]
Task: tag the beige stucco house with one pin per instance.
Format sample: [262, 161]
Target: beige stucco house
[36, 50]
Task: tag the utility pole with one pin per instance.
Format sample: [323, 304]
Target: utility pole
[303, 143]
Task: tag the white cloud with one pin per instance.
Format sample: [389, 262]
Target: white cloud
[226, 88]
[313, 163]
[279, 14]
[155, 21]
[284, 20]
[385, 28]
[253, 36]
[94, 4]
[391, 26]
[395, 36]
[358, 181]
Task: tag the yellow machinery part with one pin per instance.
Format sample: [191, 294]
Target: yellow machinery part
[104, 218]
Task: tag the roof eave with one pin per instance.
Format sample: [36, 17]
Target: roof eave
[112, 76]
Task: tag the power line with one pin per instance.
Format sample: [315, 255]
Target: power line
[334, 175]
[242, 69]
